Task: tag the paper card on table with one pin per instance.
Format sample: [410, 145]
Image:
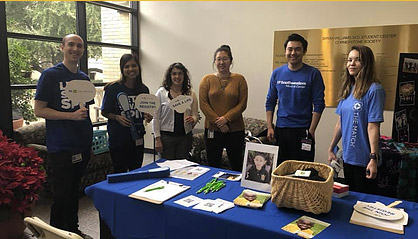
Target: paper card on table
[227, 176]
[207, 205]
[159, 192]
[217, 206]
[189, 201]
[80, 92]
[306, 227]
[147, 103]
[189, 173]
[223, 206]
[181, 103]
[176, 164]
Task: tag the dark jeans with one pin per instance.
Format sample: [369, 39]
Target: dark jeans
[65, 178]
[176, 147]
[233, 142]
[355, 177]
[127, 158]
[290, 145]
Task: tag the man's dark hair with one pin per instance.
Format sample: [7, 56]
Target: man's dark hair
[299, 38]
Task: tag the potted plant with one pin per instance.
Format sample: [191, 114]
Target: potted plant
[21, 177]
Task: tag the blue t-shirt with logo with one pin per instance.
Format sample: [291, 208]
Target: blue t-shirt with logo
[355, 115]
[63, 135]
[299, 93]
[118, 134]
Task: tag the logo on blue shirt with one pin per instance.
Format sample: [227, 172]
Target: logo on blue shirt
[357, 106]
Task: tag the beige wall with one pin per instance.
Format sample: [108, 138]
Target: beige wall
[190, 32]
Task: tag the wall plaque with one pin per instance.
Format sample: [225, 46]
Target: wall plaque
[328, 48]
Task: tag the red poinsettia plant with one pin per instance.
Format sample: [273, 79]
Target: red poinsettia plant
[21, 176]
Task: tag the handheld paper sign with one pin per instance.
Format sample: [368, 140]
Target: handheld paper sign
[147, 103]
[181, 103]
[377, 210]
[80, 92]
[124, 103]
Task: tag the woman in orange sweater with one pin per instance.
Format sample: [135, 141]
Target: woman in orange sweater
[223, 97]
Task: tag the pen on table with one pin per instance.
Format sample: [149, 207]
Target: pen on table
[156, 188]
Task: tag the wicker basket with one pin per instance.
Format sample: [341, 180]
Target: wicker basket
[302, 194]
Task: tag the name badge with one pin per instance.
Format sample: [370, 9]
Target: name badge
[76, 158]
[306, 144]
[139, 142]
[211, 134]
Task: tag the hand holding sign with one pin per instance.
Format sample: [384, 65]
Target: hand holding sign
[124, 103]
[181, 103]
[80, 92]
[147, 103]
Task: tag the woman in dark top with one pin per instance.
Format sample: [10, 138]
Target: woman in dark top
[125, 123]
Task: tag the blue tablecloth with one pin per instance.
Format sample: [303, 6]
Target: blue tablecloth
[132, 218]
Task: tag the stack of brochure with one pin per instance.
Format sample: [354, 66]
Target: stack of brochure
[340, 190]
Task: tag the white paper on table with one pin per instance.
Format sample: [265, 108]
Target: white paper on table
[217, 206]
[166, 191]
[189, 201]
[189, 173]
[176, 164]
[207, 205]
[227, 176]
[224, 205]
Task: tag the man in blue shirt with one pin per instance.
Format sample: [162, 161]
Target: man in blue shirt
[69, 133]
[298, 91]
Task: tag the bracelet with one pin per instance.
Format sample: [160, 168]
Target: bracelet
[373, 156]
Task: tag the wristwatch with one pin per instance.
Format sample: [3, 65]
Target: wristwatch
[374, 156]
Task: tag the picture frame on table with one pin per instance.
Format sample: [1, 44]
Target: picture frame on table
[259, 162]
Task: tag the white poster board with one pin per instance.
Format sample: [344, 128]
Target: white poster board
[259, 162]
[80, 92]
[147, 103]
[181, 103]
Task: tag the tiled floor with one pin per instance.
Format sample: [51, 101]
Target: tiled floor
[88, 215]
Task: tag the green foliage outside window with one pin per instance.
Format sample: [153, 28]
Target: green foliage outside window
[19, 65]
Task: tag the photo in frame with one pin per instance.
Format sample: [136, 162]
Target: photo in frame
[259, 162]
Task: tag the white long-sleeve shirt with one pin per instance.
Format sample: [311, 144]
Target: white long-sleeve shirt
[164, 117]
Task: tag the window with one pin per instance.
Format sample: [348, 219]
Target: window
[34, 30]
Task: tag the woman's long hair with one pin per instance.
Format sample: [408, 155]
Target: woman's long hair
[167, 81]
[123, 60]
[364, 79]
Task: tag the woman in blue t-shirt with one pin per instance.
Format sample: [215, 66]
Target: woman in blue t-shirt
[360, 110]
[125, 123]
